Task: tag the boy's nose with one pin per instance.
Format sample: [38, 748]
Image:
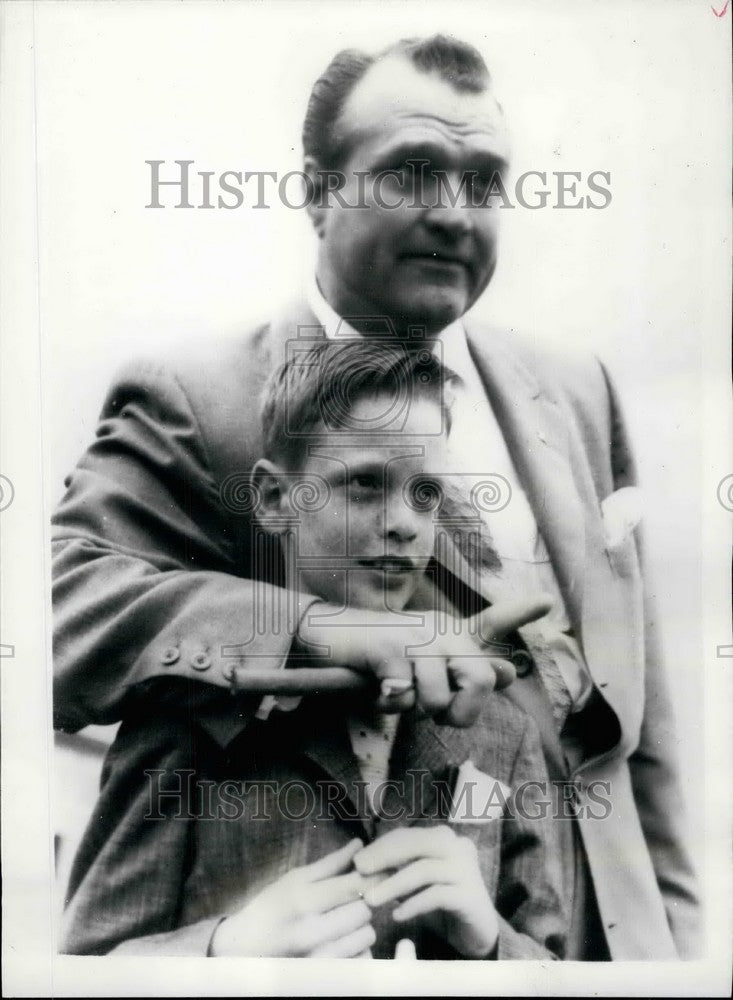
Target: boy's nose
[401, 535]
[400, 522]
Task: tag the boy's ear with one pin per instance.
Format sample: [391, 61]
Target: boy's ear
[270, 488]
[318, 201]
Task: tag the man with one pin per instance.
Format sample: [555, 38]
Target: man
[151, 568]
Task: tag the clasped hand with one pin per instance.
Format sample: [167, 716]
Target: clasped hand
[324, 909]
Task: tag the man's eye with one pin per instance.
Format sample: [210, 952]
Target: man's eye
[404, 175]
[407, 172]
[478, 186]
[485, 187]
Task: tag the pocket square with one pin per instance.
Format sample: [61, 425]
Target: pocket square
[477, 797]
[622, 511]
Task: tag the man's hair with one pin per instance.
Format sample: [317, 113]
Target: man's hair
[318, 388]
[456, 62]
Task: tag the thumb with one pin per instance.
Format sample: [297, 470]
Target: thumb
[498, 621]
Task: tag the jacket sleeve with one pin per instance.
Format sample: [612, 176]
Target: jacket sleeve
[654, 763]
[532, 922]
[149, 581]
[193, 941]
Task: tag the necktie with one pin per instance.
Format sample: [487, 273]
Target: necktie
[372, 736]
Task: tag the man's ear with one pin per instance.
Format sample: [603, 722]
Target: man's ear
[269, 485]
[318, 202]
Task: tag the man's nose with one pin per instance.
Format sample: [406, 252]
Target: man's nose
[449, 207]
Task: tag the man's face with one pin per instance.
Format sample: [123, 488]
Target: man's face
[416, 265]
[369, 544]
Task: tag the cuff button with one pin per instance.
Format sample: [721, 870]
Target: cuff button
[170, 655]
[201, 661]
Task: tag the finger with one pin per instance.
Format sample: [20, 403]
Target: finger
[500, 619]
[405, 950]
[396, 685]
[431, 683]
[406, 881]
[325, 894]
[354, 945]
[337, 923]
[399, 847]
[332, 864]
[473, 678]
[505, 673]
[435, 897]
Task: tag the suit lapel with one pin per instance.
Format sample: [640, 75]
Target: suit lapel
[419, 765]
[317, 730]
[549, 459]
[536, 435]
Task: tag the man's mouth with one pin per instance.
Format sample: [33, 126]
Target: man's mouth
[438, 257]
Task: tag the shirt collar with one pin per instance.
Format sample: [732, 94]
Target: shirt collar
[452, 339]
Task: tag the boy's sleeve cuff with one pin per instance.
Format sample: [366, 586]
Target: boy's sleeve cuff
[193, 941]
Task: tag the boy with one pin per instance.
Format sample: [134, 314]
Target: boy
[211, 869]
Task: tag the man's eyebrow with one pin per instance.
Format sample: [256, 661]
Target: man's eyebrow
[482, 161]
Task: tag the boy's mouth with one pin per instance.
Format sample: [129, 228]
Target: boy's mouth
[389, 564]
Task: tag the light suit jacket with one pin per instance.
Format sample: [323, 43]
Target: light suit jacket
[154, 553]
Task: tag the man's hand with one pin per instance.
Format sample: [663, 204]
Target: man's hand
[437, 877]
[442, 663]
[315, 911]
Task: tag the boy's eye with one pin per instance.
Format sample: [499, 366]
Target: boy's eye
[364, 484]
[423, 493]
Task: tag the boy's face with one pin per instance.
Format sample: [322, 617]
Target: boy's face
[368, 544]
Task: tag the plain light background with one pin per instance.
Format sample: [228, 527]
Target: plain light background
[639, 90]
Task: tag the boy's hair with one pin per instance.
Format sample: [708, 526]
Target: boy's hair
[318, 388]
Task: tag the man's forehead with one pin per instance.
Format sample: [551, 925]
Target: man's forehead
[396, 98]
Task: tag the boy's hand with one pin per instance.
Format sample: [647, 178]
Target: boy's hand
[316, 911]
[444, 664]
[437, 877]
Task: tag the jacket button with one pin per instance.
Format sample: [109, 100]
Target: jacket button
[201, 661]
[170, 655]
[522, 662]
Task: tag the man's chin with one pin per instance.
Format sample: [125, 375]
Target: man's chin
[435, 310]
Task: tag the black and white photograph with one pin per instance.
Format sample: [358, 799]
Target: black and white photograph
[366, 498]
